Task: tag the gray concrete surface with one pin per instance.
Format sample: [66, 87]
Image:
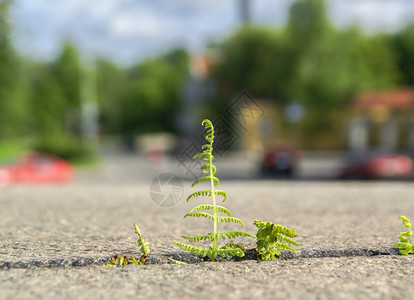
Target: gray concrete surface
[93, 216]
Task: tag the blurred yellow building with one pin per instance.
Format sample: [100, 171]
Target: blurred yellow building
[383, 121]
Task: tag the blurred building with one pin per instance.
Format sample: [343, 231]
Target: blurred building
[383, 121]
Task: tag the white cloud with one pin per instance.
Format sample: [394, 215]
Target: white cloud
[129, 26]
[130, 29]
[372, 15]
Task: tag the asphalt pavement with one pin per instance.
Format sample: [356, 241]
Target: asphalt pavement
[53, 237]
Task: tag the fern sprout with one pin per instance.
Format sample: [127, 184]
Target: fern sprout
[406, 238]
[123, 260]
[272, 237]
[209, 169]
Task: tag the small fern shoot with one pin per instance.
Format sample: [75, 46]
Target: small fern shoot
[273, 237]
[144, 246]
[406, 246]
[197, 212]
[123, 260]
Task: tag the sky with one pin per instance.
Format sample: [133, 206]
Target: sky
[131, 30]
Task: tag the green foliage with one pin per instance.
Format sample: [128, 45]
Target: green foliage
[67, 70]
[70, 148]
[47, 103]
[154, 87]
[403, 44]
[11, 150]
[254, 55]
[123, 260]
[407, 247]
[144, 246]
[213, 251]
[111, 85]
[307, 16]
[14, 110]
[273, 237]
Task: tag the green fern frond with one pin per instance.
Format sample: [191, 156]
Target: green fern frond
[201, 207]
[197, 239]
[122, 260]
[206, 178]
[144, 246]
[279, 245]
[199, 194]
[198, 251]
[269, 254]
[210, 169]
[209, 207]
[137, 231]
[199, 214]
[408, 233]
[230, 252]
[286, 240]
[261, 225]
[222, 193]
[205, 169]
[280, 229]
[223, 235]
[208, 194]
[405, 246]
[405, 221]
[403, 239]
[234, 234]
[201, 179]
[202, 154]
[273, 237]
[234, 246]
[211, 217]
[230, 220]
[224, 210]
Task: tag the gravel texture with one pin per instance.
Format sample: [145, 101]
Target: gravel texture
[53, 239]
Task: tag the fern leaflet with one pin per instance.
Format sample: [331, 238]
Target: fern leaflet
[214, 218]
[223, 235]
[206, 178]
[209, 207]
[207, 193]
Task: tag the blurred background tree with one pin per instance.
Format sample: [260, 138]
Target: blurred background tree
[48, 105]
[308, 61]
[403, 44]
[13, 103]
[154, 90]
[112, 88]
[67, 71]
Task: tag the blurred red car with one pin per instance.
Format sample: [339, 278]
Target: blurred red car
[280, 161]
[36, 168]
[380, 166]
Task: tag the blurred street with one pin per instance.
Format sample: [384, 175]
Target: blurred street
[120, 167]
